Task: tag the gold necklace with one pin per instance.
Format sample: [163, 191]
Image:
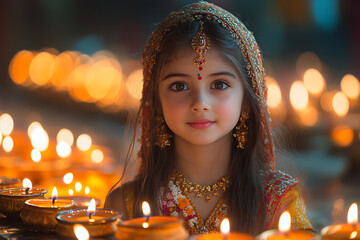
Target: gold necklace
[200, 190]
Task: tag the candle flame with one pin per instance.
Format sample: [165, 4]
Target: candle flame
[145, 225]
[225, 226]
[27, 183]
[353, 235]
[80, 232]
[146, 208]
[54, 194]
[285, 222]
[352, 217]
[92, 207]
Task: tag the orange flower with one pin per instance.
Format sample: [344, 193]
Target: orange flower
[189, 211]
[183, 202]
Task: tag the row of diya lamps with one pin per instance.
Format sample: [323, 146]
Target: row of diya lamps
[68, 220]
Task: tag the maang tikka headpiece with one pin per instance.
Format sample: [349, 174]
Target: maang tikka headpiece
[200, 43]
[244, 39]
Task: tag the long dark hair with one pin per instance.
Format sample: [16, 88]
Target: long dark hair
[245, 195]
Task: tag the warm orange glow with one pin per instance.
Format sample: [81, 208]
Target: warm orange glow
[39, 139]
[309, 116]
[68, 178]
[1, 137]
[87, 190]
[109, 75]
[350, 86]
[65, 135]
[307, 60]
[54, 193]
[81, 232]
[19, 66]
[342, 136]
[298, 95]
[92, 206]
[340, 104]
[352, 217]
[62, 67]
[84, 142]
[314, 81]
[225, 226]
[134, 84]
[35, 155]
[97, 156]
[78, 186]
[353, 235]
[8, 144]
[76, 84]
[274, 92]
[63, 149]
[26, 183]
[146, 208]
[285, 222]
[40, 70]
[32, 127]
[326, 101]
[6, 124]
[145, 224]
[71, 192]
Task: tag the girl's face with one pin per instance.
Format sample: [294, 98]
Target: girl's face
[202, 111]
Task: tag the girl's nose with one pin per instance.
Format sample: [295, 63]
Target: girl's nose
[200, 102]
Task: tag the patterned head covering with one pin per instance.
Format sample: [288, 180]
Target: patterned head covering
[243, 38]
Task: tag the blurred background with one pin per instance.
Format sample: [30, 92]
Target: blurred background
[70, 78]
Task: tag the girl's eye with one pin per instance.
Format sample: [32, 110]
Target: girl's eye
[219, 85]
[178, 86]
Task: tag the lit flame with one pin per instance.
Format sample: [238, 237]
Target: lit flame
[54, 193]
[81, 233]
[97, 156]
[145, 224]
[87, 190]
[299, 96]
[8, 144]
[6, 124]
[285, 222]
[225, 226]
[352, 217]
[92, 206]
[63, 149]
[314, 81]
[78, 186]
[65, 135]
[71, 192]
[83, 142]
[353, 235]
[35, 155]
[39, 139]
[146, 208]
[68, 178]
[27, 183]
[340, 104]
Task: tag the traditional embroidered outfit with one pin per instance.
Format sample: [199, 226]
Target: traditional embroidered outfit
[281, 191]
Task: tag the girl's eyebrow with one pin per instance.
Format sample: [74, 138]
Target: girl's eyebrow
[223, 73]
[175, 75]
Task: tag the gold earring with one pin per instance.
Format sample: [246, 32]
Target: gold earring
[163, 136]
[242, 131]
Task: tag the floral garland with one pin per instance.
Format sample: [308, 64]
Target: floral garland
[175, 202]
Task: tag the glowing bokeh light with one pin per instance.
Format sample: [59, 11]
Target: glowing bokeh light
[8, 144]
[63, 149]
[35, 155]
[68, 178]
[62, 67]
[274, 92]
[1, 137]
[76, 84]
[340, 104]
[326, 101]
[134, 84]
[342, 136]
[81, 232]
[97, 156]
[19, 66]
[298, 95]
[71, 192]
[65, 135]
[32, 127]
[314, 81]
[350, 86]
[6, 124]
[309, 116]
[87, 190]
[307, 60]
[40, 70]
[78, 186]
[84, 142]
[39, 139]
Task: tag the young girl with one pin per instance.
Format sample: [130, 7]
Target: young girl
[206, 147]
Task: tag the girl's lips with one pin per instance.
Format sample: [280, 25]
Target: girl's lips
[201, 124]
